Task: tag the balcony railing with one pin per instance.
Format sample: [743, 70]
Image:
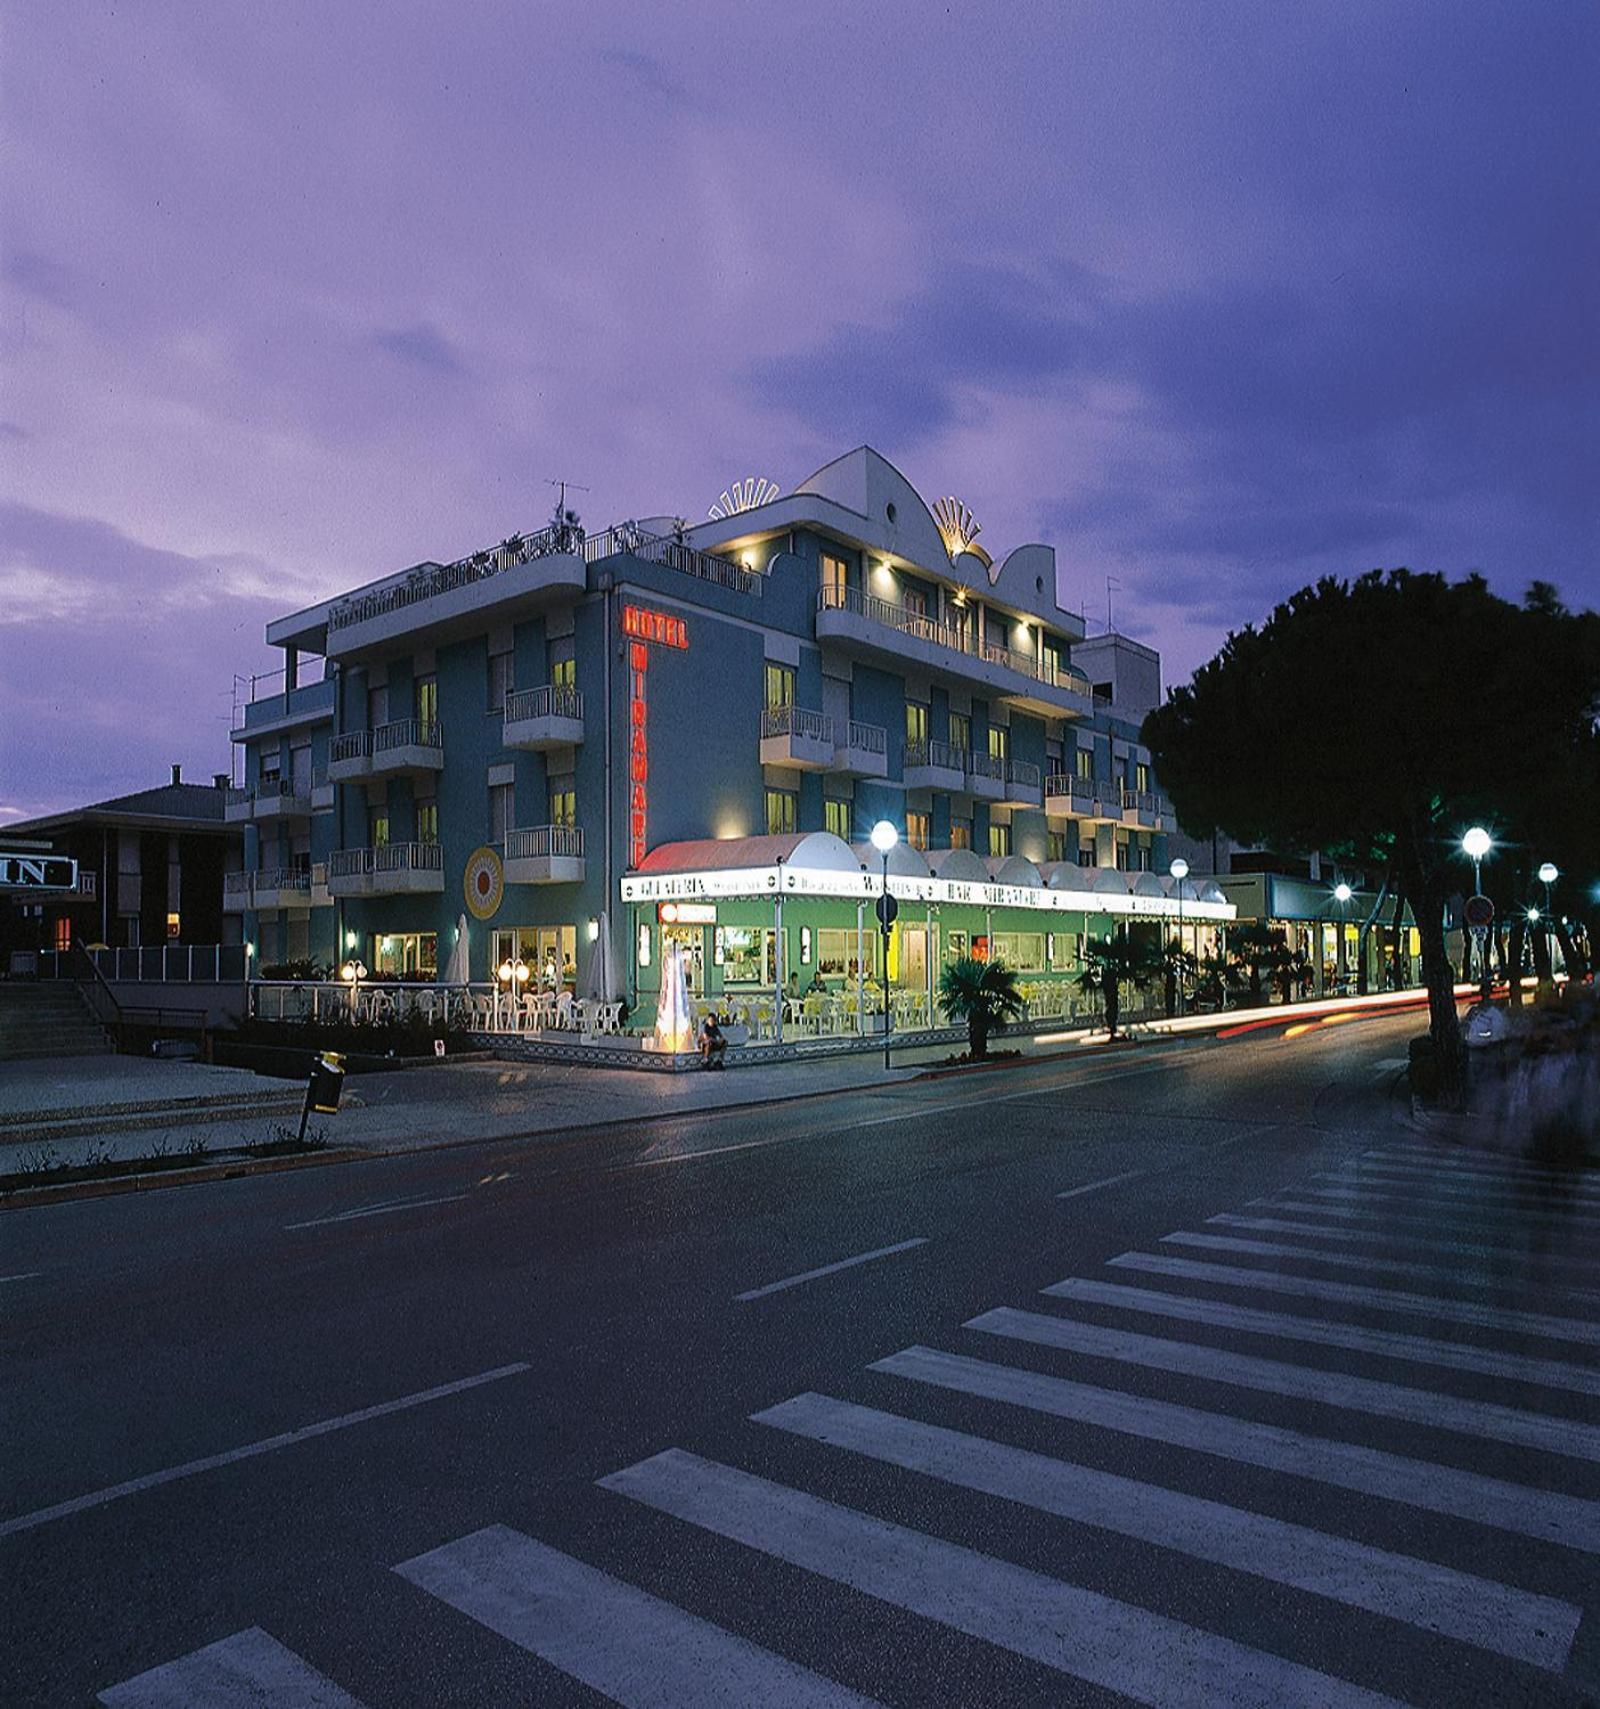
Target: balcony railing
[1023, 773]
[355, 745]
[988, 765]
[350, 863]
[561, 841]
[866, 738]
[958, 639]
[1080, 790]
[235, 798]
[425, 584]
[407, 733]
[938, 755]
[547, 702]
[1140, 801]
[675, 554]
[795, 721]
[408, 857]
[283, 878]
[237, 884]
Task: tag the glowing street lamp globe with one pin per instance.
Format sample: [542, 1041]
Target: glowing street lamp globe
[884, 836]
[1342, 892]
[1476, 843]
[1179, 869]
[1548, 873]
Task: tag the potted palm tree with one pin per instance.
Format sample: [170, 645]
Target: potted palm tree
[984, 994]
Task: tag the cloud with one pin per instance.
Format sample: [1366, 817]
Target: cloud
[40, 277]
[647, 72]
[421, 345]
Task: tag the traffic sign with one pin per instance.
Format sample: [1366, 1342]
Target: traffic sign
[38, 872]
[886, 907]
[1479, 912]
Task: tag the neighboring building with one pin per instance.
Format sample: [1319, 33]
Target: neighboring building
[151, 870]
[673, 727]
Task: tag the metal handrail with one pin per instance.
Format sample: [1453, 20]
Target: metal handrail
[796, 721]
[986, 765]
[550, 701]
[1069, 783]
[238, 883]
[350, 863]
[1023, 772]
[282, 878]
[939, 754]
[353, 745]
[408, 857]
[407, 733]
[545, 840]
[239, 797]
[97, 991]
[867, 738]
[675, 554]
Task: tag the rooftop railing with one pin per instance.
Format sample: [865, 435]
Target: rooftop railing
[430, 580]
[675, 554]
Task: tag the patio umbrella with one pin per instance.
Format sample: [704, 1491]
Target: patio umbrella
[604, 983]
[674, 1030]
[455, 969]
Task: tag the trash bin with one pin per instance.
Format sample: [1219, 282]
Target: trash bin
[327, 1082]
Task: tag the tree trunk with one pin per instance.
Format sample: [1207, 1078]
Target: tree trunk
[1466, 956]
[1399, 959]
[1543, 969]
[1577, 962]
[1171, 993]
[1519, 934]
[1113, 1004]
[977, 1036]
[1444, 1028]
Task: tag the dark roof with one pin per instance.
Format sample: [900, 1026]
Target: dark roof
[197, 806]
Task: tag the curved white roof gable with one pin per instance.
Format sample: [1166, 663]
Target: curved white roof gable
[815, 851]
[959, 866]
[904, 861]
[1109, 882]
[1016, 870]
[1146, 884]
[1066, 875]
[866, 482]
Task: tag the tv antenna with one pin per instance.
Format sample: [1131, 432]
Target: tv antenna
[562, 486]
[1111, 582]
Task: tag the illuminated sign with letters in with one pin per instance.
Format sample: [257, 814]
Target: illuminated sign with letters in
[644, 629]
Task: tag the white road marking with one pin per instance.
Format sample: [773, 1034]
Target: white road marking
[1401, 1242]
[831, 1269]
[270, 1444]
[1095, 1186]
[631, 1647]
[375, 1210]
[250, 1670]
[1524, 1214]
[1299, 1382]
[1378, 1299]
[1547, 1515]
[1528, 1628]
[1420, 1349]
[1488, 1220]
[1147, 1657]
[1434, 1182]
[24, 1276]
[1359, 1261]
[1478, 1162]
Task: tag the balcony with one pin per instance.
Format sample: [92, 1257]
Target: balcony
[543, 718]
[986, 777]
[283, 887]
[238, 806]
[436, 602]
[279, 798]
[1092, 799]
[1023, 786]
[350, 757]
[321, 896]
[1146, 810]
[408, 745]
[792, 737]
[350, 872]
[863, 626]
[934, 765]
[864, 752]
[545, 854]
[237, 892]
[321, 792]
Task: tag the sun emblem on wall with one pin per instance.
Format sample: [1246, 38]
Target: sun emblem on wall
[958, 527]
[743, 495]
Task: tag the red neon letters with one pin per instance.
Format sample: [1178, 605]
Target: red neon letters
[643, 626]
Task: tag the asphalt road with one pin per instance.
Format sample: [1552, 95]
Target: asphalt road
[1337, 1448]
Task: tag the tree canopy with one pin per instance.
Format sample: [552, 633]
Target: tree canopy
[1375, 719]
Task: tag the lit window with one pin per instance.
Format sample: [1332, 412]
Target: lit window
[960, 731]
[916, 722]
[564, 673]
[427, 821]
[836, 818]
[1086, 764]
[999, 742]
[917, 829]
[427, 700]
[782, 807]
[1056, 845]
[378, 827]
[961, 833]
[1141, 777]
[564, 808]
[999, 839]
[779, 686]
[834, 576]
[173, 930]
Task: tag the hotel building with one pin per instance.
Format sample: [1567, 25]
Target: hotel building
[689, 731]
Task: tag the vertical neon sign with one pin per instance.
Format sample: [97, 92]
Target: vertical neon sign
[643, 627]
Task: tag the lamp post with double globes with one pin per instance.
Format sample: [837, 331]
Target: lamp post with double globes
[884, 838]
[1180, 871]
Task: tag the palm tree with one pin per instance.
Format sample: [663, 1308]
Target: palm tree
[984, 994]
[1111, 963]
[1176, 964]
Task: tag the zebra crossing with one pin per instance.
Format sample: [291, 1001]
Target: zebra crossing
[1272, 1530]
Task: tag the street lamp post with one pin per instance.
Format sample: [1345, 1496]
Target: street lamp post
[1548, 874]
[1342, 894]
[1180, 871]
[884, 838]
[1475, 845]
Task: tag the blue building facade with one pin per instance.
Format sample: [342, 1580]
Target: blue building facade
[505, 749]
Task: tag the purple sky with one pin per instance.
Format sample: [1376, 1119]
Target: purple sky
[1215, 299]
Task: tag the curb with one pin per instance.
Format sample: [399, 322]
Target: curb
[1079, 1054]
[29, 1198]
[145, 1121]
